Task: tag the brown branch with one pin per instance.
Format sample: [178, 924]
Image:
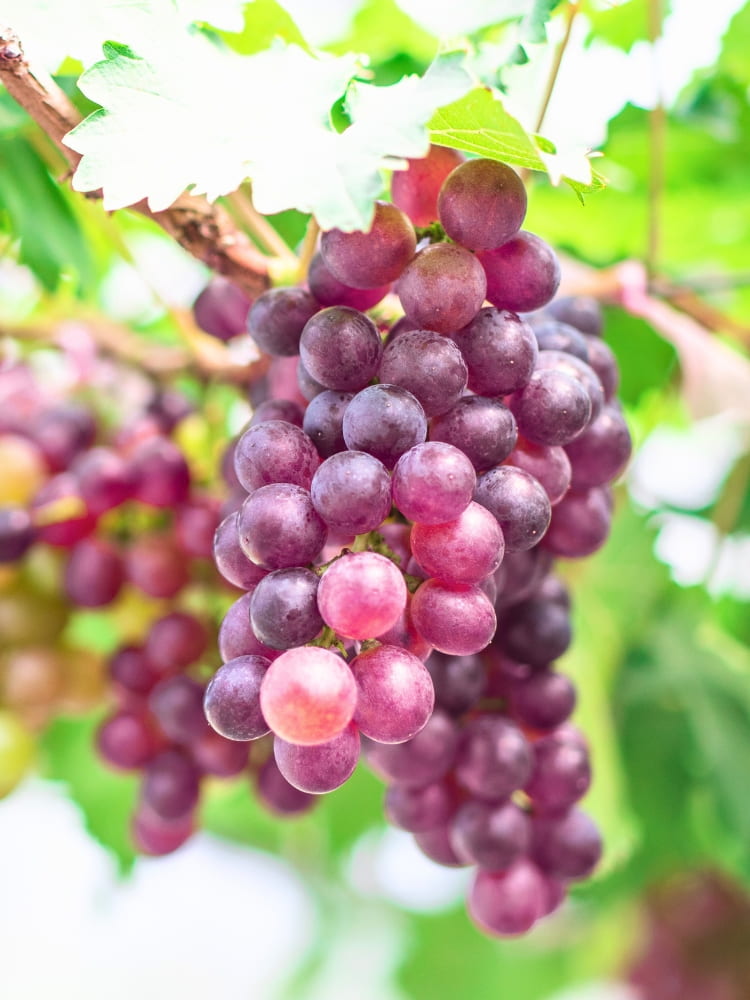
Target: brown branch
[554, 72]
[204, 230]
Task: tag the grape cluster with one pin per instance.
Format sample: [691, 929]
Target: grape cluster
[405, 484]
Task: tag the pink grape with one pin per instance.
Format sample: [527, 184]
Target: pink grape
[395, 694]
[361, 595]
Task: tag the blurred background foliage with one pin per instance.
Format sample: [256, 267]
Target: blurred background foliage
[662, 615]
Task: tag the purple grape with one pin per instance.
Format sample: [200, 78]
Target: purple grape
[459, 681]
[578, 370]
[126, 740]
[543, 700]
[443, 288]
[421, 760]
[195, 524]
[352, 492]
[553, 335]
[483, 429]
[277, 795]
[547, 463]
[553, 408]
[236, 636]
[401, 326]
[170, 785]
[561, 774]
[168, 407]
[490, 834]
[329, 291]
[341, 349]
[429, 366]
[482, 203]
[61, 432]
[277, 409]
[277, 319]
[320, 768]
[221, 309]
[232, 698]
[308, 387]
[218, 756]
[508, 903]
[230, 560]
[520, 574]
[436, 845]
[600, 454]
[500, 351]
[162, 476]
[155, 565]
[374, 258]
[522, 275]
[177, 705]
[275, 452]
[518, 502]
[466, 550]
[566, 847]
[284, 608]
[16, 534]
[105, 478]
[175, 641]
[416, 189]
[417, 809]
[94, 573]
[279, 526]
[454, 618]
[395, 696]
[580, 523]
[433, 483]
[580, 311]
[324, 421]
[404, 635]
[154, 835]
[604, 363]
[132, 672]
[494, 759]
[535, 631]
[385, 421]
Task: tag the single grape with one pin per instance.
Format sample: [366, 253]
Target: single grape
[552, 335]
[308, 387]
[16, 534]
[155, 565]
[523, 274]
[543, 701]
[568, 847]
[580, 311]
[583, 373]
[436, 845]
[535, 631]
[232, 699]
[275, 452]
[277, 318]
[320, 768]
[352, 492]
[236, 636]
[561, 774]
[277, 409]
[377, 257]
[494, 758]
[329, 291]
[433, 483]
[423, 759]
[162, 476]
[552, 408]
[127, 740]
[361, 595]
[385, 421]
[156, 836]
[465, 550]
[59, 512]
[308, 695]
[547, 463]
[284, 609]
[443, 288]
[221, 309]
[459, 681]
[395, 696]
[508, 903]
[170, 785]
[500, 351]
[323, 421]
[603, 361]
[24, 470]
[454, 618]
[177, 705]
[195, 524]
[429, 366]
[61, 432]
[105, 479]
[132, 672]
[230, 560]
[519, 504]
[580, 523]
[94, 573]
[279, 527]
[277, 795]
[218, 756]
[482, 204]
[490, 834]
[416, 189]
[417, 809]
[483, 429]
[341, 349]
[600, 454]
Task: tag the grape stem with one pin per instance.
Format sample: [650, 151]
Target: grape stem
[308, 248]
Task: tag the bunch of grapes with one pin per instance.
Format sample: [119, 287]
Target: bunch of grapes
[405, 487]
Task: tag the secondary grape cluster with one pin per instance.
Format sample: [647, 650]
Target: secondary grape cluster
[400, 496]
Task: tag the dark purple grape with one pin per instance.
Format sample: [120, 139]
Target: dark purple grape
[522, 275]
[436, 845]
[329, 291]
[433, 483]
[419, 761]
[277, 409]
[603, 361]
[221, 309]
[61, 432]
[341, 349]
[377, 257]
[170, 785]
[416, 189]
[218, 756]
[483, 429]
[453, 618]
[161, 473]
[175, 641]
[552, 408]
[600, 454]
[177, 705]
[94, 573]
[308, 387]
[580, 523]
[508, 903]
[459, 681]
[127, 740]
[417, 809]
[443, 288]
[520, 574]
[132, 672]
[567, 847]
[232, 698]
[236, 636]
[279, 527]
[494, 759]
[156, 836]
[429, 366]
[168, 407]
[352, 492]
[230, 560]
[580, 311]
[561, 774]
[547, 463]
[275, 452]
[16, 534]
[583, 373]
[482, 204]
[320, 768]
[105, 478]
[385, 421]
[535, 631]
[518, 502]
[284, 608]
[553, 335]
[277, 795]
[490, 834]
[324, 421]
[543, 701]
[500, 351]
[277, 319]
[195, 524]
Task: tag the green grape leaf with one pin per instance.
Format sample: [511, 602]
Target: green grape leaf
[264, 21]
[479, 123]
[533, 23]
[621, 24]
